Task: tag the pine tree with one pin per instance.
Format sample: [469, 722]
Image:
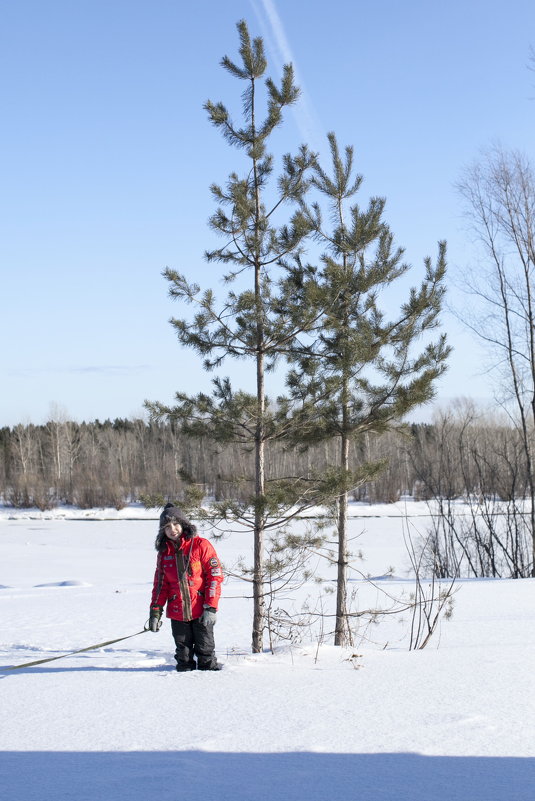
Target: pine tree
[257, 323]
[360, 374]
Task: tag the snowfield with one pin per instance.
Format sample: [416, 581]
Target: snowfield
[376, 722]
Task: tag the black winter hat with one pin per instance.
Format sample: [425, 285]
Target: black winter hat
[172, 512]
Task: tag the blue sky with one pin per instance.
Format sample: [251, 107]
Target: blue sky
[107, 157]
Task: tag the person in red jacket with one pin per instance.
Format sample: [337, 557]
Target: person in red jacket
[188, 579]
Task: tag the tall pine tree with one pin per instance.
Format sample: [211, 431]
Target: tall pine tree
[257, 323]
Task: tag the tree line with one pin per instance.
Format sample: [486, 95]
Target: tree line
[461, 454]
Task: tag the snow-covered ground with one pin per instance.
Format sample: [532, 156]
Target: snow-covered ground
[377, 722]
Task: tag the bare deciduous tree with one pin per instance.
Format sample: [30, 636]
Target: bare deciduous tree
[499, 193]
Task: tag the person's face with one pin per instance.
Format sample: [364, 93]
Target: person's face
[173, 531]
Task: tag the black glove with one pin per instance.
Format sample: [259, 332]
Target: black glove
[208, 616]
[155, 615]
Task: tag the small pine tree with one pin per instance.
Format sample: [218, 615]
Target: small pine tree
[360, 373]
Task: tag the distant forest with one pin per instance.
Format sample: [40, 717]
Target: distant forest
[112, 463]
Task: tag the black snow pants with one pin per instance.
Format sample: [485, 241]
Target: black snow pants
[194, 641]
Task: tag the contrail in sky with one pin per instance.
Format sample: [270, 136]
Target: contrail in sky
[309, 126]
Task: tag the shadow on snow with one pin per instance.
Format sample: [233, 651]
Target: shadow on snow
[300, 776]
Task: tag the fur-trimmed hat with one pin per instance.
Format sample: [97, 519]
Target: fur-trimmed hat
[172, 513]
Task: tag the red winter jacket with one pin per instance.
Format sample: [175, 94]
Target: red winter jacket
[188, 576]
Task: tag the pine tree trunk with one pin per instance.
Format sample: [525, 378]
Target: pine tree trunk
[341, 634]
[258, 576]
